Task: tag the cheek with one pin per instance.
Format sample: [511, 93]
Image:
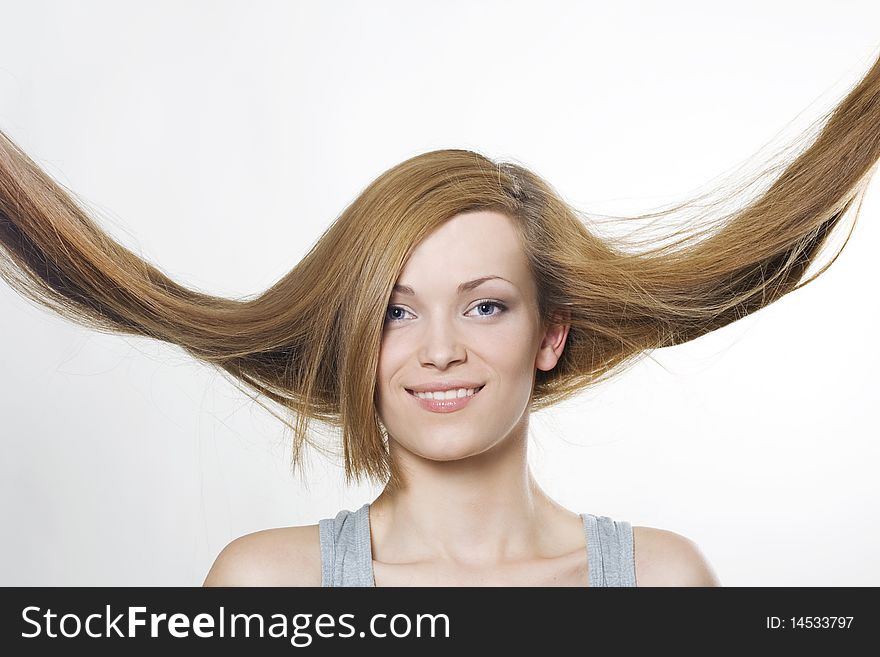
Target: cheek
[508, 353]
[392, 360]
[390, 368]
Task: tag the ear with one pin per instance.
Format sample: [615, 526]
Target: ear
[553, 342]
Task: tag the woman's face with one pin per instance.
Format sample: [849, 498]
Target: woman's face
[489, 335]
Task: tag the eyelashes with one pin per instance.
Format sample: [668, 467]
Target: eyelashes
[502, 308]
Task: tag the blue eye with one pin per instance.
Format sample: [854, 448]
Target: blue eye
[500, 306]
[392, 309]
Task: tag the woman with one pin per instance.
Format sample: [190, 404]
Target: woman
[469, 512]
[397, 281]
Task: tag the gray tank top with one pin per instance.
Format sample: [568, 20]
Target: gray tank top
[347, 553]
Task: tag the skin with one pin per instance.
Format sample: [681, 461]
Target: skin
[469, 501]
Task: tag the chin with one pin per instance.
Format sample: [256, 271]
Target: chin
[441, 448]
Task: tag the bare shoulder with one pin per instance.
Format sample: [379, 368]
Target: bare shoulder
[282, 556]
[664, 558]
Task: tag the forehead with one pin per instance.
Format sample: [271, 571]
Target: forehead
[478, 243]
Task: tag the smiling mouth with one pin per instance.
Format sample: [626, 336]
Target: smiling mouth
[476, 392]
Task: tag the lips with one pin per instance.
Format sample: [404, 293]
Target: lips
[445, 405]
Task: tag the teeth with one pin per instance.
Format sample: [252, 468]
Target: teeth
[448, 394]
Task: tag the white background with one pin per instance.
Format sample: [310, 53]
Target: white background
[219, 139]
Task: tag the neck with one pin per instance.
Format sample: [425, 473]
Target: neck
[478, 511]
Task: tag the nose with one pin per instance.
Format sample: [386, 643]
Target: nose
[441, 345]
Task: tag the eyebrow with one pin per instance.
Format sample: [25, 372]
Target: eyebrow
[464, 287]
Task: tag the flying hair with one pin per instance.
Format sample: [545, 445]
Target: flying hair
[623, 296]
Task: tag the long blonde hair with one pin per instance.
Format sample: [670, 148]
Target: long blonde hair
[622, 298]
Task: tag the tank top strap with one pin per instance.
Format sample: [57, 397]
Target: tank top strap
[611, 561]
[346, 553]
